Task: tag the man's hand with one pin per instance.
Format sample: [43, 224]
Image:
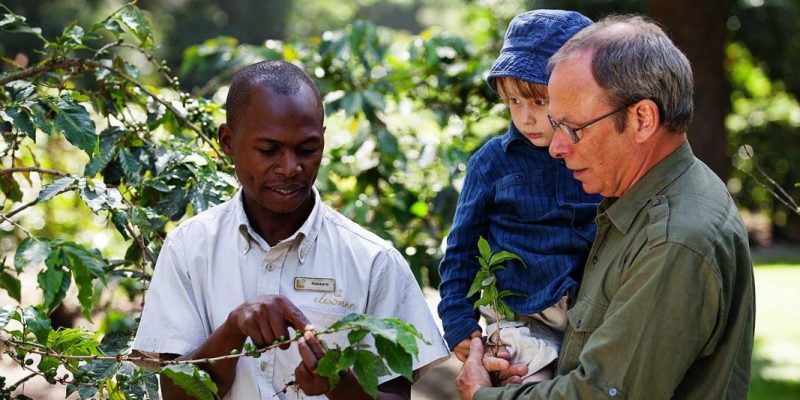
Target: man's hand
[473, 375]
[462, 349]
[497, 361]
[265, 319]
[311, 352]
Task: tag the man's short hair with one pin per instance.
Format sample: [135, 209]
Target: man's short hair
[633, 59]
[282, 77]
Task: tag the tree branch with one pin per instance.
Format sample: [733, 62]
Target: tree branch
[33, 203]
[33, 169]
[81, 63]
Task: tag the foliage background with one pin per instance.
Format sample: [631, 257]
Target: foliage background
[406, 102]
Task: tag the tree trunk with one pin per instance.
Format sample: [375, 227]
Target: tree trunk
[698, 28]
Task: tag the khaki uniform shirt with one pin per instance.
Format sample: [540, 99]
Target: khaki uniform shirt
[667, 305]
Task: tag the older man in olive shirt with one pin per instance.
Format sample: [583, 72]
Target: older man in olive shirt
[667, 305]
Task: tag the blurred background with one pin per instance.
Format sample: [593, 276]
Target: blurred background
[407, 104]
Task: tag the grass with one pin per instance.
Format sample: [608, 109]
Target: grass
[776, 357]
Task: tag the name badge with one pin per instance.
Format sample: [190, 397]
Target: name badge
[315, 284]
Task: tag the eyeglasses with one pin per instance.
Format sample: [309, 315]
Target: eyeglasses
[572, 133]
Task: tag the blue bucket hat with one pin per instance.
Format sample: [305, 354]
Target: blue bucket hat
[531, 39]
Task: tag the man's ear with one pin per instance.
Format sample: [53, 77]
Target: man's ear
[647, 120]
[225, 135]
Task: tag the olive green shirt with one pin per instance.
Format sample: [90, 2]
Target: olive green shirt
[667, 305]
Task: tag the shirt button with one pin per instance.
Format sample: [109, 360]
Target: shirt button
[270, 267]
[263, 365]
[594, 260]
[578, 324]
[613, 392]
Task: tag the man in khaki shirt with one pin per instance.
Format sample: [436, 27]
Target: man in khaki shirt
[667, 308]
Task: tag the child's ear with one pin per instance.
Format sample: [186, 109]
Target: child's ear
[225, 135]
[646, 120]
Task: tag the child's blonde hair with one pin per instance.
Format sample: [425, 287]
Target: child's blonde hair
[507, 87]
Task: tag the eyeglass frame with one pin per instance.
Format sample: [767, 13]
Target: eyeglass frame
[572, 132]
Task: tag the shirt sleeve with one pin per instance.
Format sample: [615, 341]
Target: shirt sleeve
[459, 265]
[664, 316]
[394, 293]
[171, 320]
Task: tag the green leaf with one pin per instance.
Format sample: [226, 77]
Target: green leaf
[86, 265]
[5, 315]
[116, 343]
[106, 151]
[22, 121]
[54, 280]
[488, 281]
[130, 165]
[484, 248]
[49, 191]
[507, 293]
[504, 256]
[84, 392]
[38, 323]
[74, 122]
[31, 253]
[12, 285]
[133, 18]
[476, 283]
[194, 381]
[95, 194]
[150, 384]
[368, 367]
[10, 187]
[327, 367]
[483, 301]
[397, 358]
[356, 335]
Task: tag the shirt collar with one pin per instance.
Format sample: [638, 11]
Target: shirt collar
[304, 237]
[513, 136]
[622, 211]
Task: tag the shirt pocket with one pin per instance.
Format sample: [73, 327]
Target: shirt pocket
[523, 195]
[584, 318]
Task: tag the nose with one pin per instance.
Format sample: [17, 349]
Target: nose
[528, 114]
[289, 165]
[561, 145]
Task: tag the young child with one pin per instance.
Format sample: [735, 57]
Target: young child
[521, 200]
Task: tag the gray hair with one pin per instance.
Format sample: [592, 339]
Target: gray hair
[633, 59]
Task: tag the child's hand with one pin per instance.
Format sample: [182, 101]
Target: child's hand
[462, 349]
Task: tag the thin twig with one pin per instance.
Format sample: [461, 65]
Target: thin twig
[33, 169]
[12, 222]
[26, 378]
[73, 62]
[34, 202]
[784, 197]
[13, 343]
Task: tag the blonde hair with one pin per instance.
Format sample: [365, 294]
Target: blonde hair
[507, 87]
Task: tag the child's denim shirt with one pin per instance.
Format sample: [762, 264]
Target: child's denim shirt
[521, 200]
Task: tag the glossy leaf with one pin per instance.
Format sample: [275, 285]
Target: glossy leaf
[484, 249]
[74, 122]
[31, 252]
[396, 357]
[367, 368]
[194, 381]
[49, 191]
[37, 322]
[5, 315]
[10, 188]
[12, 285]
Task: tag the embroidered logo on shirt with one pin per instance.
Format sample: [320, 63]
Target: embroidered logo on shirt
[315, 284]
[335, 300]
